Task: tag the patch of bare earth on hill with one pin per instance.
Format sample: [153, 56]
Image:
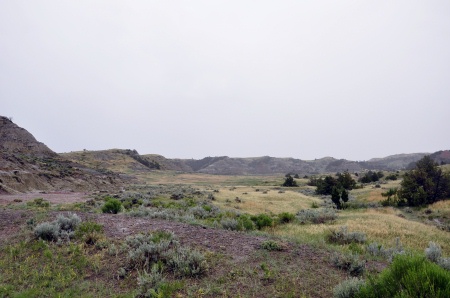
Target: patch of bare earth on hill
[238, 245]
[11, 222]
[52, 197]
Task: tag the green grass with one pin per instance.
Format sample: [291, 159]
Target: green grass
[40, 269]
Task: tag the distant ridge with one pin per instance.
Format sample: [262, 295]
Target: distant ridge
[119, 160]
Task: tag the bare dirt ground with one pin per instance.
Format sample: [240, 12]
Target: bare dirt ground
[52, 197]
[120, 226]
[238, 245]
[11, 221]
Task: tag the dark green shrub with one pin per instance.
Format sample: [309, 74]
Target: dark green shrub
[392, 177]
[112, 206]
[271, 245]
[262, 220]
[336, 197]
[285, 217]
[245, 223]
[89, 232]
[289, 182]
[39, 202]
[409, 276]
[425, 184]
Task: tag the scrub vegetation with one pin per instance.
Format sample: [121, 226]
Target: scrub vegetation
[234, 236]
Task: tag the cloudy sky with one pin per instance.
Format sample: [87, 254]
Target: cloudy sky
[189, 79]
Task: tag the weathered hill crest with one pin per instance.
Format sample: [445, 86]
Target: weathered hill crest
[27, 165]
[126, 161]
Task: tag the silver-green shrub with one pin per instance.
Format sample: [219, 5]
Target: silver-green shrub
[144, 251]
[444, 263]
[61, 229]
[349, 262]
[204, 211]
[379, 250]
[230, 224]
[433, 252]
[148, 283]
[186, 262]
[316, 216]
[48, 231]
[69, 222]
[343, 236]
[349, 288]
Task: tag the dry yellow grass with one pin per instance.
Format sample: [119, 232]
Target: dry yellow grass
[254, 202]
[380, 225]
[199, 179]
[372, 194]
[441, 209]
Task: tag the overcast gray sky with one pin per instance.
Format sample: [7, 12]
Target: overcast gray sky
[189, 79]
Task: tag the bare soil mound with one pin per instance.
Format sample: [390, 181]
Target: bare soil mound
[238, 245]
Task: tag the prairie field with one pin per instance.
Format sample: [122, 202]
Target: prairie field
[250, 237]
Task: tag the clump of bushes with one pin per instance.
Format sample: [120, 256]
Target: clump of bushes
[289, 182]
[144, 251]
[39, 202]
[245, 223]
[89, 232]
[379, 250]
[62, 228]
[242, 222]
[409, 276]
[349, 262]
[285, 217]
[230, 224]
[316, 216]
[204, 210]
[112, 205]
[271, 245]
[262, 220]
[434, 253]
[343, 236]
[371, 177]
[150, 282]
[348, 288]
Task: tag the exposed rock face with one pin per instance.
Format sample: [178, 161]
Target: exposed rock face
[28, 165]
[16, 140]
